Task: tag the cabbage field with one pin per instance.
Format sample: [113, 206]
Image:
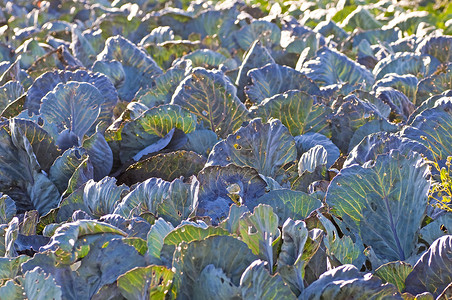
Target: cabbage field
[232, 149]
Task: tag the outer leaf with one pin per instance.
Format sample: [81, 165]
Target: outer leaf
[433, 271]
[112, 69]
[201, 141]
[163, 87]
[351, 115]
[259, 230]
[136, 228]
[10, 267]
[11, 290]
[297, 111]
[43, 193]
[151, 282]
[188, 233]
[206, 58]
[3, 229]
[327, 28]
[152, 126]
[257, 56]
[257, 283]
[18, 162]
[437, 46]
[85, 45]
[434, 84]
[213, 283]
[63, 241]
[38, 286]
[433, 128]
[405, 83]
[268, 33]
[28, 226]
[156, 236]
[20, 174]
[311, 167]
[174, 200]
[41, 141]
[309, 140]
[289, 204]
[104, 263]
[306, 45]
[158, 35]
[373, 201]
[212, 98]
[369, 128]
[232, 222]
[311, 159]
[101, 197]
[224, 252]
[331, 67]
[167, 166]
[435, 229]
[144, 197]
[342, 248]
[48, 81]
[219, 184]
[395, 273]
[381, 143]
[65, 278]
[9, 92]
[401, 106]
[11, 234]
[64, 167]
[100, 155]
[267, 147]
[274, 79]
[183, 203]
[406, 63]
[7, 209]
[82, 174]
[296, 250]
[138, 66]
[74, 106]
[346, 282]
[361, 17]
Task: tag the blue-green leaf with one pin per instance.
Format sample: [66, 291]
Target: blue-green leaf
[7, 209]
[48, 81]
[219, 185]
[297, 110]
[74, 106]
[433, 128]
[274, 79]
[212, 98]
[288, 204]
[259, 230]
[137, 65]
[433, 271]
[246, 148]
[332, 67]
[151, 282]
[373, 201]
[257, 283]
[346, 282]
[151, 127]
[266, 32]
[406, 63]
[224, 252]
